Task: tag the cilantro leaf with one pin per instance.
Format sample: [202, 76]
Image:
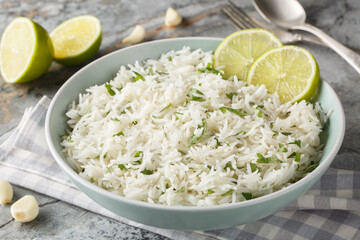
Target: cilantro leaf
[108, 87]
[119, 134]
[247, 195]
[228, 192]
[262, 159]
[139, 155]
[229, 165]
[254, 167]
[122, 167]
[239, 112]
[195, 138]
[195, 95]
[311, 167]
[146, 172]
[297, 142]
[282, 148]
[230, 95]
[209, 69]
[167, 106]
[138, 76]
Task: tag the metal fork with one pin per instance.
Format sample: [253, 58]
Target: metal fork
[243, 21]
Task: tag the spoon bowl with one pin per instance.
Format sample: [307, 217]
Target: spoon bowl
[273, 12]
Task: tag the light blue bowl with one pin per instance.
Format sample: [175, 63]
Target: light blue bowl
[179, 217]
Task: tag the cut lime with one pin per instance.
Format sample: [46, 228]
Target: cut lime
[239, 50]
[76, 40]
[290, 71]
[26, 51]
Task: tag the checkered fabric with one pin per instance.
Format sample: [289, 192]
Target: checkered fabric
[329, 210]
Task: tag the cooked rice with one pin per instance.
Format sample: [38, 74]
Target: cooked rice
[136, 143]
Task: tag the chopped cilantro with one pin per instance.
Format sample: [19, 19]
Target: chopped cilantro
[138, 76]
[228, 192]
[195, 95]
[181, 190]
[247, 195]
[147, 172]
[139, 155]
[241, 132]
[296, 155]
[167, 106]
[115, 119]
[92, 180]
[210, 191]
[262, 159]
[258, 113]
[286, 133]
[119, 134]
[170, 58]
[230, 95]
[282, 148]
[122, 167]
[311, 167]
[182, 152]
[134, 122]
[229, 165]
[293, 126]
[239, 112]
[108, 88]
[297, 142]
[162, 73]
[195, 138]
[254, 167]
[209, 69]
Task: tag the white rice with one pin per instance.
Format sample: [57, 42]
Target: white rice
[150, 158]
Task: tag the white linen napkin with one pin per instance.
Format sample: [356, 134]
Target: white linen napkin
[329, 210]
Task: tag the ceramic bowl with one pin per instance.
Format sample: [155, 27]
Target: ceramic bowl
[181, 217]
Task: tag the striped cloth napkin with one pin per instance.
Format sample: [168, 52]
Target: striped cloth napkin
[329, 210]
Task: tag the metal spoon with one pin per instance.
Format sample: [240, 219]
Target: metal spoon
[290, 14]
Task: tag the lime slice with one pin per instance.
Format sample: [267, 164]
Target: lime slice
[26, 51]
[290, 71]
[76, 40]
[239, 50]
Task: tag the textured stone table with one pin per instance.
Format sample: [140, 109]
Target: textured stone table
[58, 220]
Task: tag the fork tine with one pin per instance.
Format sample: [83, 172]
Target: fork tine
[252, 22]
[233, 18]
[232, 13]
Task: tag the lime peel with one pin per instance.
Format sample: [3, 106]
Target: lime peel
[237, 52]
[26, 51]
[76, 40]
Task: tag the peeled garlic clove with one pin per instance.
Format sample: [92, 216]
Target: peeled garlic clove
[25, 209]
[137, 35]
[6, 192]
[172, 18]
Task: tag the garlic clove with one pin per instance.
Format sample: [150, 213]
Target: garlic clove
[6, 192]
[172, 18]
[25, 209]
[137, 35]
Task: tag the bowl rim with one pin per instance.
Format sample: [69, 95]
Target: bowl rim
[70, 172]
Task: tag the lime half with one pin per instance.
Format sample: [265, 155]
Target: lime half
[26, 51]
[76, 40]
[239, 50]
[290, 71]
